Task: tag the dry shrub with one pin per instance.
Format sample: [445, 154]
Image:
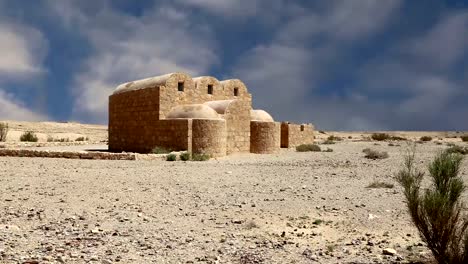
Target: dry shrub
[185, 156]
[437, 211]
[375, 154]
[398, 138]
[457, 149]
[380, 136]
[464, 138]
[200, 157]
[425, 138]
[307, 147]
[3, 131]
[171, 157]
[378, 184]
[334, 138]
[28, 136]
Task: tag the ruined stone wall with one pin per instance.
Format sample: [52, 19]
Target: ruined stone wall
[237, 117]
[293, 135]
[209, 137]
[264, 137]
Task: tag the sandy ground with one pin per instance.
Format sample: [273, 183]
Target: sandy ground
[284, 208]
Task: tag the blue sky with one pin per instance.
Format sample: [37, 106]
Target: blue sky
[344, 65]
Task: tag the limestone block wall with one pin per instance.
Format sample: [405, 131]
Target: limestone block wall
[131, 117]
[196, 92]
[209, 137]
[293, 135]
[264, 137]
[169, 134]
[237, 117]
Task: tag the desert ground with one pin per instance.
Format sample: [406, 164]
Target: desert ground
[289, 207]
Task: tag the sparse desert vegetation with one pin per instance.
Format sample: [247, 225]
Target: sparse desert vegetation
[29, 136]
[3, 131]
[374, 154]
[425, 138]
[437, 212]
[308, 147]
[380, 184]
[282, 208]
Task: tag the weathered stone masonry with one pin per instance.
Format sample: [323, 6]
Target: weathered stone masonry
[200, 115]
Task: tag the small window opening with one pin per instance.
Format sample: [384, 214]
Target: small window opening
[302, 127]
[236, 91]
[180, 86]
[210, 89]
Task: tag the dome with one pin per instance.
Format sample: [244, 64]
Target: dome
[196, 111]
[260, 115]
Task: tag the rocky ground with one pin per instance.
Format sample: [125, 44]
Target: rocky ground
[285, 208]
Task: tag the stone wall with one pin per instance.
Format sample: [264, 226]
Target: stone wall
[196, 92]
[264, 137]
[66, 154]
[209, 137]
[237, 117]
[132, 116]
[293, 135]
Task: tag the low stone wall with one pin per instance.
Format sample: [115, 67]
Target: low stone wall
[265, 137]
[209, 137]
[293, 135]
[66, 154]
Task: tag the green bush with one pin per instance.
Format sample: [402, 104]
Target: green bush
[171, 157]
[3, 131]
[464, 138]
[425, 138]
[200, 157]
[160, 150]
[374, 154]
[307, 147]
[437, 211]
[185, 156]
[29, 136]
[380, 136]
[80, 139]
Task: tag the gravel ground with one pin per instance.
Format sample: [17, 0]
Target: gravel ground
[284, 208]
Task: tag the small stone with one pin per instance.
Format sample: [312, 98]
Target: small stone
[389, 251]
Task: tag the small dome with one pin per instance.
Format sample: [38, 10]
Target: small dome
[260, 115]
[196, 111]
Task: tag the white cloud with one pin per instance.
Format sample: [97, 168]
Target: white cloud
[127, 48]
[12, 109]
[284, 74]
[22, 51]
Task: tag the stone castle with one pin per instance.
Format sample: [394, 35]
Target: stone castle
[198, 115]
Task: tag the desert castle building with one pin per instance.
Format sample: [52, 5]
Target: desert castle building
[199, 115]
